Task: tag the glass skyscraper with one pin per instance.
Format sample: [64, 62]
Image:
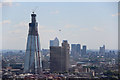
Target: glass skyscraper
[32, 62]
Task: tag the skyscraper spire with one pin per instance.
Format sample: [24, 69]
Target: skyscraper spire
[33, 17]
[32, 62]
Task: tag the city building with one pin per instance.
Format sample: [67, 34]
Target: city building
[59, 58]
[102, 50]
[84, 48]
[79, 48]
[54, 42]
[33, 62]
[65, 56]
[75, 50]
[55, 59]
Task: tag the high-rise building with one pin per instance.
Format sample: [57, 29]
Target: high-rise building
[65, 56]
[32, 62]
[54, 42]
[78, 48]
[102, 50]
[75, 50]
[84, 48]
[55, 59]
[59, 58]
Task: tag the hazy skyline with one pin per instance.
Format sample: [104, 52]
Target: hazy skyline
[88, 23]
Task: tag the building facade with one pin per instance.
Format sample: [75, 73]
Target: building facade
[54, 42]
[102, 50]
[84, 49]
[59, 58]
[75, 50]
[32, 63]
[65, 56]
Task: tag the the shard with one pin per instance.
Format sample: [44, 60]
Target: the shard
[32, 63]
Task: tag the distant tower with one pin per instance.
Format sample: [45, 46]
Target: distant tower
[84, 50]
[32, 62]
[102, 50]
[65, 55]
[75, 50]
[54, 42]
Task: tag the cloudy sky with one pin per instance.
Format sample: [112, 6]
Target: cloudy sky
[88, 23]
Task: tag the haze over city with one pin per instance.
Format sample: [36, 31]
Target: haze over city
[93, 24]
[59, 40]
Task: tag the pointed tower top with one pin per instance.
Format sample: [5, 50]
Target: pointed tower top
[33, 17]
[56, 38]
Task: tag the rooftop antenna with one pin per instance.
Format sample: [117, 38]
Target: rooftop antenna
[34, 9]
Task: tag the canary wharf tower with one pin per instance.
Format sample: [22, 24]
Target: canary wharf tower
[32, 63]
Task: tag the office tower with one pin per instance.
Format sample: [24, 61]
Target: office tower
[75, 50]
[32, 62]
[78, 48]
[102, 50]
[59, 58]
[65, 56]
[54, 42]
[84, 50]
[55, 59]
